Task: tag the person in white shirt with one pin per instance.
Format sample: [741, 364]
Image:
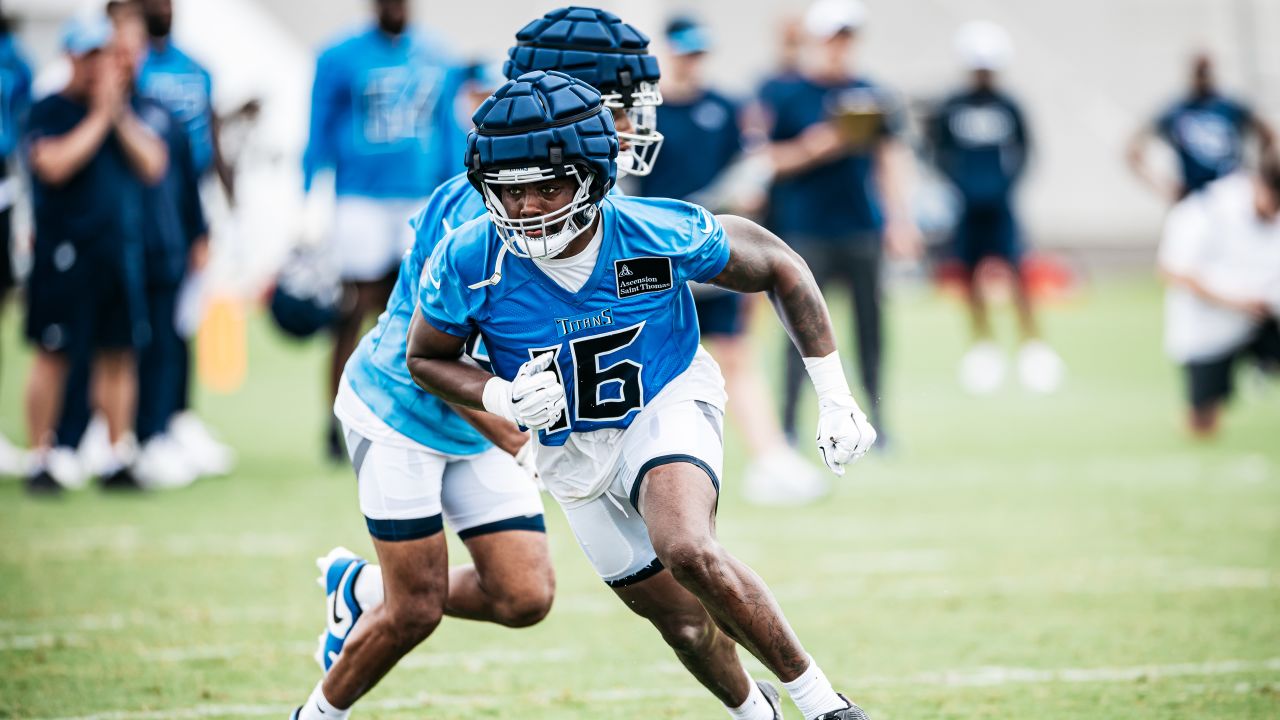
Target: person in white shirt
[1220, 257]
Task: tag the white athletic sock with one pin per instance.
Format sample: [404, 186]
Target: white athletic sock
[756, 706]
[317, 708]
[812, 692]
[369, 592]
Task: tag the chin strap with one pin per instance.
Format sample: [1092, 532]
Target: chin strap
[496, 277]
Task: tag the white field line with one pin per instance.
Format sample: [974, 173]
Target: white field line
[107, 622]
[973, 677]
[40, 642]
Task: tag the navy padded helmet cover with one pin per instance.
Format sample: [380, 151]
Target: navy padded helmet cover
[591, 45]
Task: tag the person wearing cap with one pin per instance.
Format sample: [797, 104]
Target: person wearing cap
[90, 156]
[15, 101]
[980, 144]
[839, 197]
[1207, 129]
[383, 121]
[704, 138]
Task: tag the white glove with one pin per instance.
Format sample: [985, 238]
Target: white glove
[844, 434]
[528, 462]
[535, 399]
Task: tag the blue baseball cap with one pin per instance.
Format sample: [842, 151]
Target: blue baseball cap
[687, 37]
[84, 33]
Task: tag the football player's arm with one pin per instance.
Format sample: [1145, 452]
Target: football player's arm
[895, 168]
[1136, 157]
[318, 154]
[760, 262]
[435, 362]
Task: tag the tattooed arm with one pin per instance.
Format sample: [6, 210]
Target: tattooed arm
[760, 262]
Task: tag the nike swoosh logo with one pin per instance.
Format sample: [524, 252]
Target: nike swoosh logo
[707, 227]
[426, 275]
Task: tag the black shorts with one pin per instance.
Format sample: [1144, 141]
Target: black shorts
[987, 232]
[78, 302]
[719, 314]
[1211, 382]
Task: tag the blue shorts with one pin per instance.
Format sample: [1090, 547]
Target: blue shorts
[987, 232]
[719, 314]
[78, 302]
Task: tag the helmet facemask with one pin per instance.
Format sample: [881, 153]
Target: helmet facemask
[644, 141]
[547, 241]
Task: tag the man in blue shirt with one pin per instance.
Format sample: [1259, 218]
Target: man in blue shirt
[90, 155]
[588, 323]
[703, 138]
[1206, 129]
[980, 143]
[382, 120]
[839, 197]
[15, 100]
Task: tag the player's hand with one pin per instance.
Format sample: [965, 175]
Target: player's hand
[526, 459]
[844, 434]
[534, 399]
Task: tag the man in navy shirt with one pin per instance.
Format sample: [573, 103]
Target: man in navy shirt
[839, 197]
[1206, 129]
[15, 100]
[703, 138]
[91, 156]
[980, 143]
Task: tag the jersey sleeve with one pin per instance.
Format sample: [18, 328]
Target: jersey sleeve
[708, 250]
[325, 91]
[443, 297]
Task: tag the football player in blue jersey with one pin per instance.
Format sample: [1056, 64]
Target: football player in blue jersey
[582, 302]
[15, 101]
[1206, 129]
[382, 120]
[417, 459]
[980, 143]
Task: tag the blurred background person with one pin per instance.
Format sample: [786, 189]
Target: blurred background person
[15, 101]
[183, 86]
[90, 156]
[1220, 258]
[703, 138]
[980, 144]
[382, 119]
[840, 196]
[1206, 129]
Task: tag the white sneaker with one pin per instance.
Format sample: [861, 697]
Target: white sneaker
[14, 460]
[783, 477]
[163, 465]
[206, 453]
[1039, 367]
[982, 368]
[96, 454]
[66, 466]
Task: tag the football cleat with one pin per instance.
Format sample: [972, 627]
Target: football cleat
[773, 697]
[1039, 367]
[297, 713]
[43, 484]
[853, 712]
[338, 572]
[982, 368]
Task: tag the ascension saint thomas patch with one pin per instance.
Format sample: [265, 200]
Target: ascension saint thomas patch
[640, 275]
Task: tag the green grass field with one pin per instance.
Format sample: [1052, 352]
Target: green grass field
[1016, 557]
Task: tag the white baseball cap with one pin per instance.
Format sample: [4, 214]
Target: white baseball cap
[983, 45]
[826, 18]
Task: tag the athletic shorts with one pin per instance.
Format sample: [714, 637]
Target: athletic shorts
[1211, 382]
[720, 314]
[987, 232]
[77, 303]
[370, 236]
[609, 527]
[408, 491]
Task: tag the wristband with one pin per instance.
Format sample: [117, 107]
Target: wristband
[827, 375]
[496, 398]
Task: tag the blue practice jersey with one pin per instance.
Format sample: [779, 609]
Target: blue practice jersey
[382, 116]
[619, 340]
[980, 144]
[377, 370]
[15, 94]
[1208, 135]
[181, 84]
[702, 138]
[838, 198]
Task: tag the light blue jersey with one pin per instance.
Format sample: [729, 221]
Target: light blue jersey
[15, 95]
[182, 85]
[382, 116]
[377, 371]
[619, 340]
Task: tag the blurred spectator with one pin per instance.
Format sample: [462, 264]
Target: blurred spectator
[702, 139]
[90, 154]
[980, 143]
[1206, 129]
[840, 193]
[1220, 258]
[382, 118]
[15, 101]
